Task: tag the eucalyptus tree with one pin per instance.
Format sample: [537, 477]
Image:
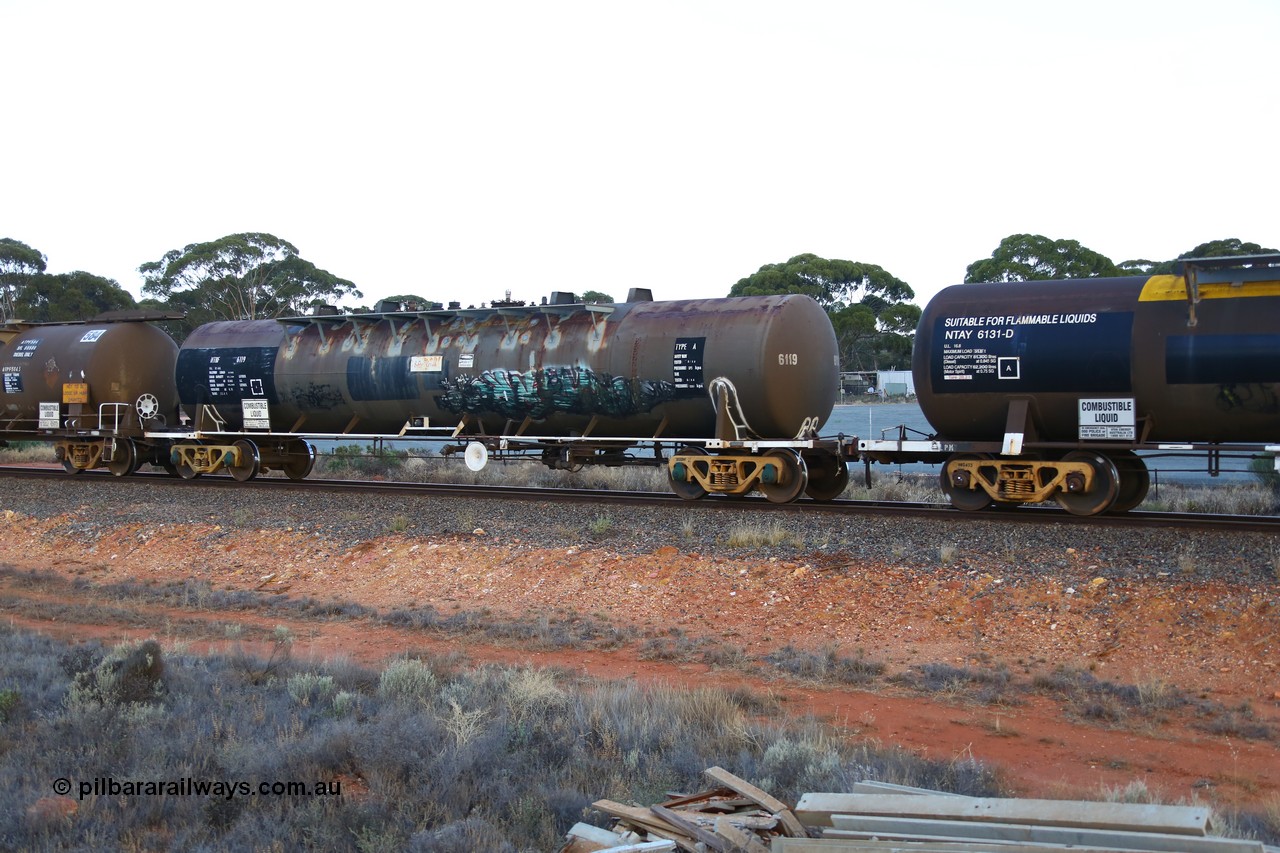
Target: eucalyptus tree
[1033, 257]
[19, 263]
[240, 277]
[869, 307]
[70, 296]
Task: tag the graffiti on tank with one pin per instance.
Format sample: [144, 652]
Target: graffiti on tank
[543, 392]
[315, 397]
[1251, 397]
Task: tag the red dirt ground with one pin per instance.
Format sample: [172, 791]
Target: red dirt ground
[1215, 641]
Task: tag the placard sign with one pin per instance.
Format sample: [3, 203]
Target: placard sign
[1109, 418]
[426, 364]
[50, 414]
[255, 414]
[686, 363]
[12, 379]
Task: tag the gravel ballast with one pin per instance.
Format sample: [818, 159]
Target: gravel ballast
[1016, 550]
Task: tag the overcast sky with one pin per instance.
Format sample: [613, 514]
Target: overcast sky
[457, 150]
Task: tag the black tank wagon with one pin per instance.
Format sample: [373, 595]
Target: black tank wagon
[1044, 390]
[740, 387]
[93, 389]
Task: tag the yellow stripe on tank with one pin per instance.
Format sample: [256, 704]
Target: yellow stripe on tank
[1165, 288]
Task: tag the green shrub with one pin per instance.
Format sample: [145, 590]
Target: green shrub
[1264, 468]
[354, 460]
[9, 699]
[407, 680]
[309, 688]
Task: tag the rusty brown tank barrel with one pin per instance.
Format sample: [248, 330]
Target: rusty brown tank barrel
[80, 366]
[627, 369]
[1214, 377]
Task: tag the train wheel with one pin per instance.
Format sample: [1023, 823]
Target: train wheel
[791, 480]
[250, 461]
[1106, 485]
[1135, 480]
[301, 459]
[170, 468]
[186, 472]
[69, 466]
[125, 460]
[828, 476]
[956, 485]
[689, 490]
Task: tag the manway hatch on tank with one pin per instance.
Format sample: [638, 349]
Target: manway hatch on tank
[1232, 271]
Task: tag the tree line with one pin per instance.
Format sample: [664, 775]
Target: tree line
[257, 275]
[238, 277]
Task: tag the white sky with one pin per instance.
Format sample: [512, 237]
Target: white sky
[460, 149]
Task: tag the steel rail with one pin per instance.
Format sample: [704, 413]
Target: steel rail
[754, 503]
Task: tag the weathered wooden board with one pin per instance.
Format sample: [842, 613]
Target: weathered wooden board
[790, 824]
[840, 845]
[744, 840]
[816, 810]
[917, 829]
[871, 786]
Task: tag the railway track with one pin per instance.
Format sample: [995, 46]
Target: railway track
[940, 512]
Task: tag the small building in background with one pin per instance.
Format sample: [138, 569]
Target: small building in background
[895, 383]
[869, 385]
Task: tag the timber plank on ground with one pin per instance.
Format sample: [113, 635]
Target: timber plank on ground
[743, 840]
[841, 845]
[790, 824]
[644, 819]
[697, 833]
[871, 786]
[816, 810]
[916, 829]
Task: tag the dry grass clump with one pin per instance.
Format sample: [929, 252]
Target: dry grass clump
[27, 453]
[1110, 702]
[762, 536]
[903, 487]
[675, 645]
[1217, 499]
[986, 686]
[1262, 825]
[827, 665]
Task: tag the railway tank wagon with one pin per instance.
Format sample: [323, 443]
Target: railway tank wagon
[581, 383]
[1074, 376]
[93, 389]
